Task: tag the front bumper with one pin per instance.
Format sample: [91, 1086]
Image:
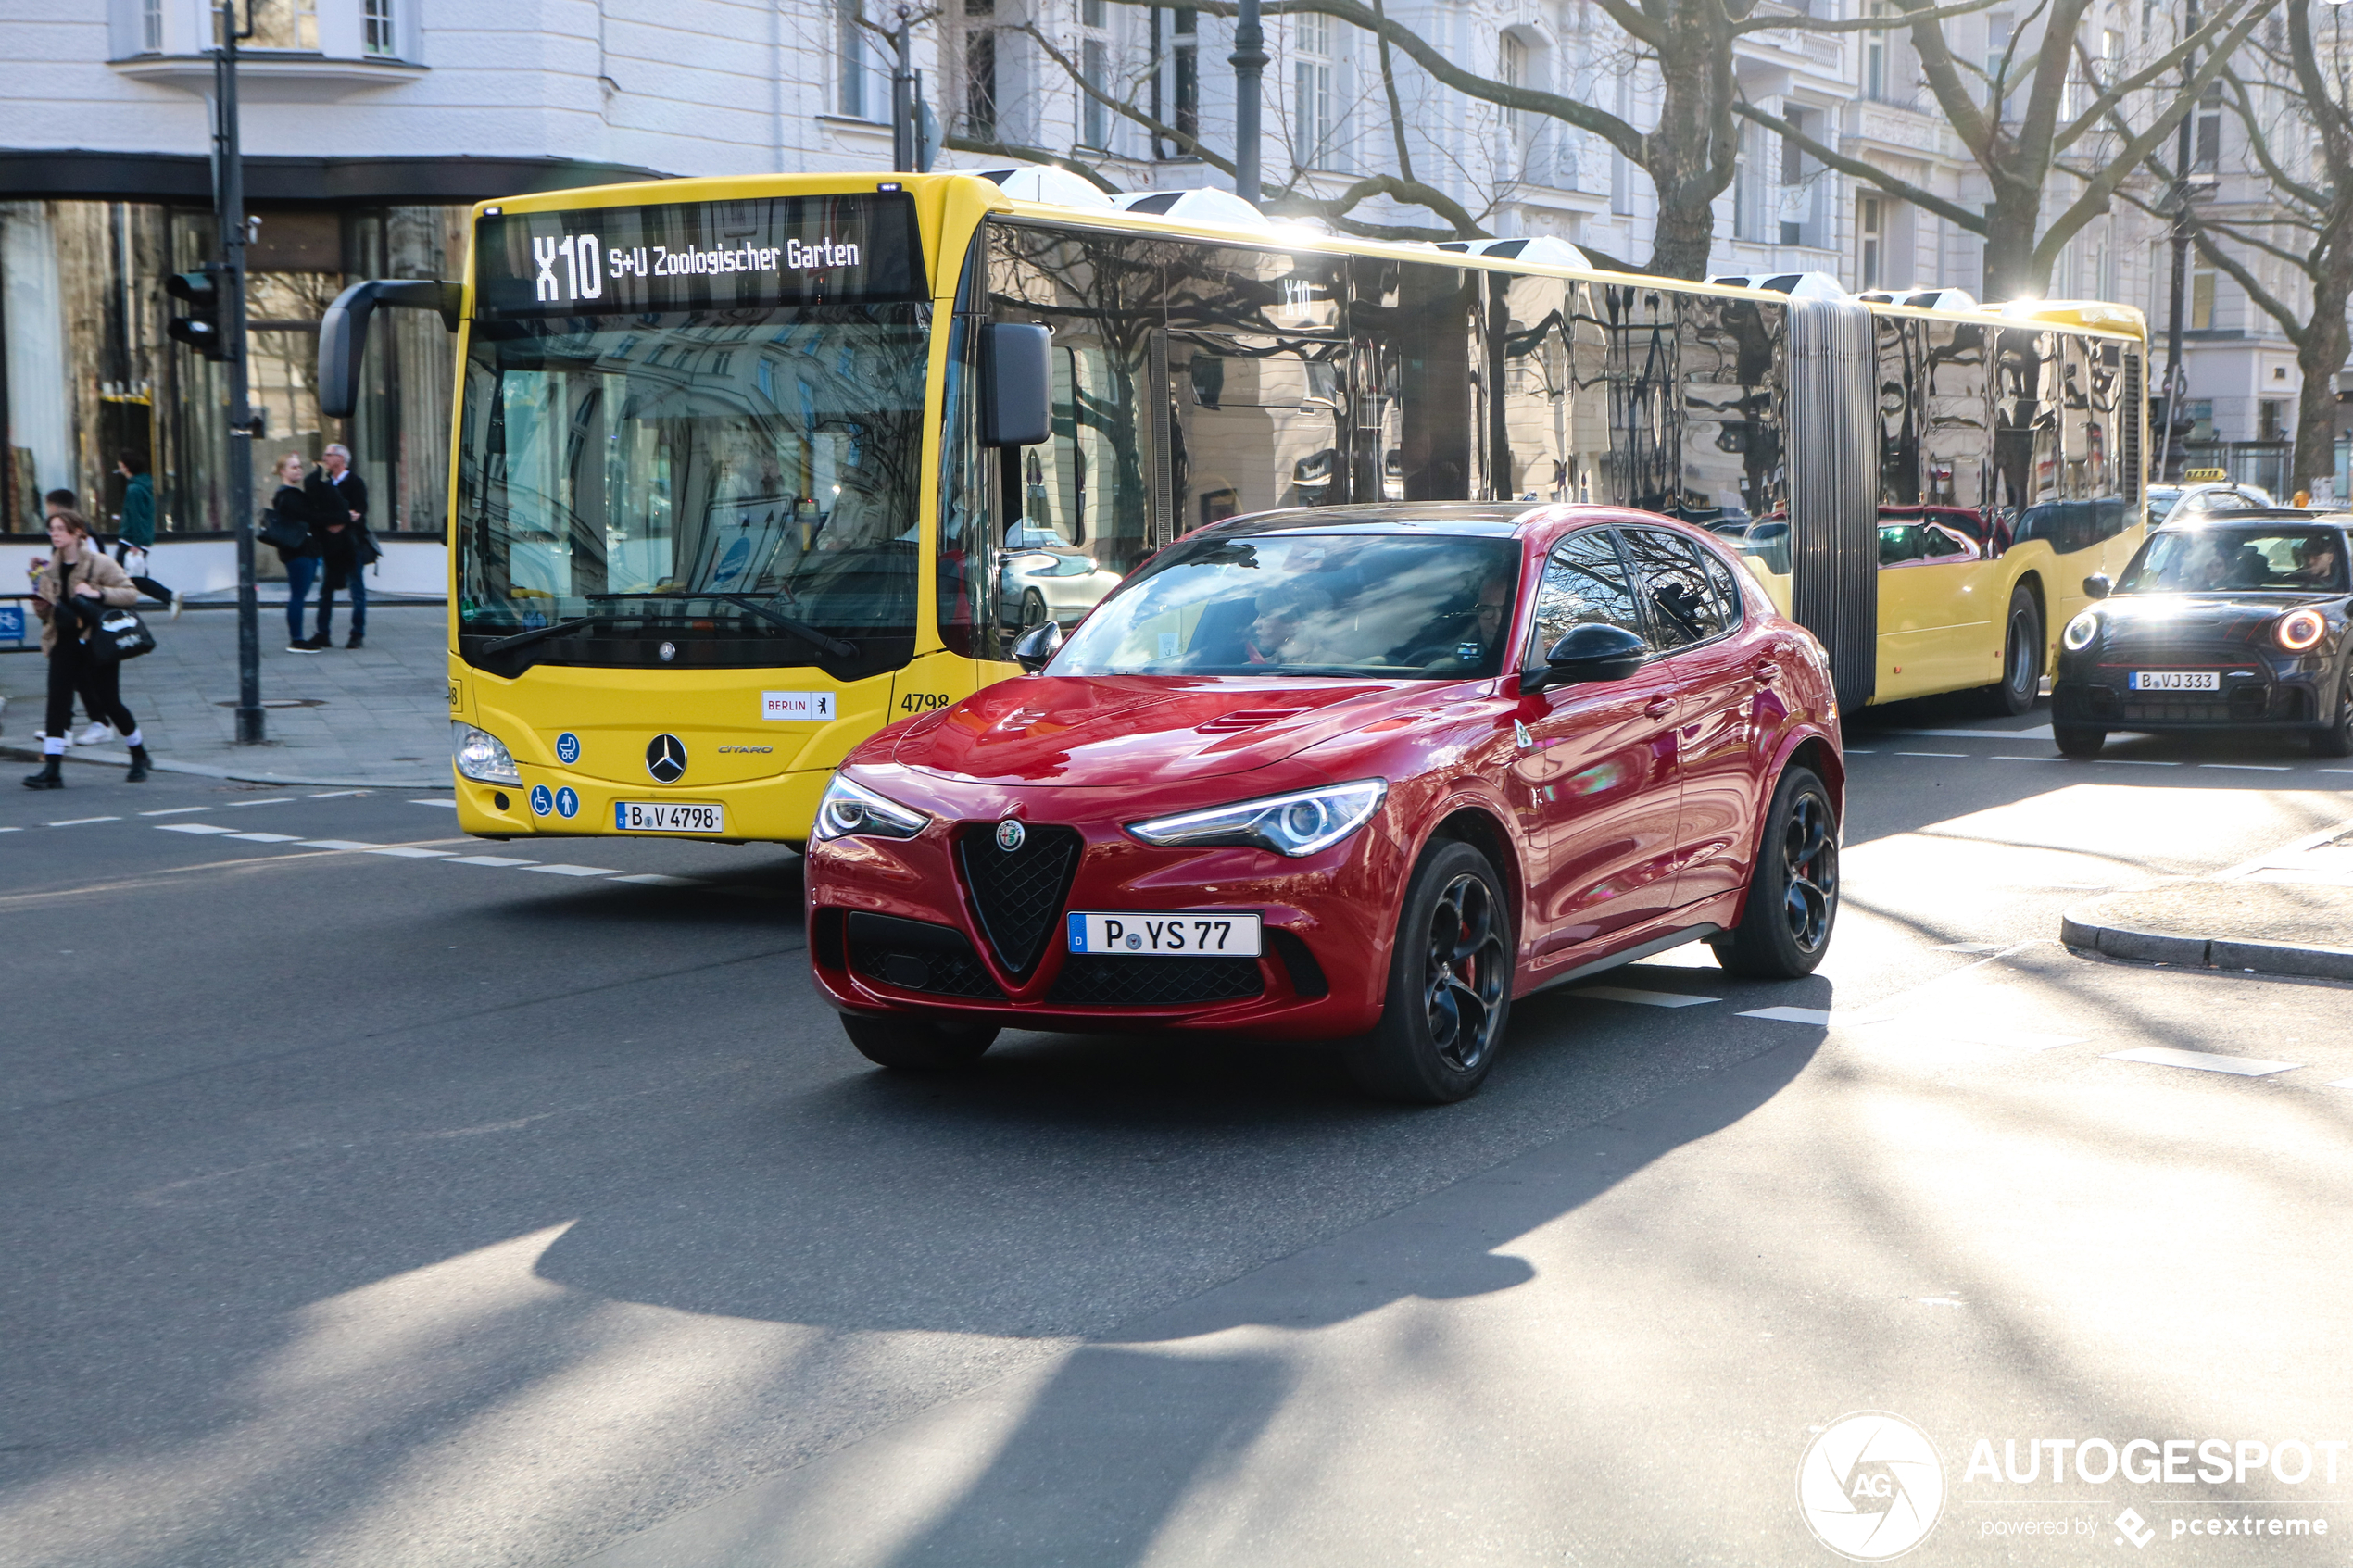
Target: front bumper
[775, 810]
[2096, 696]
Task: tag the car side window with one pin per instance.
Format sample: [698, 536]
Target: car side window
[1727, 588]
[1584, 583]
[1686, 605]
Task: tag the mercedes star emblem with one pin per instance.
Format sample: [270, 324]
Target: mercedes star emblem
[665, 758]
[1009, 835]
[668, 651]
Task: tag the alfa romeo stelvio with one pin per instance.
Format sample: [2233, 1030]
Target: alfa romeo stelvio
[1356, 774]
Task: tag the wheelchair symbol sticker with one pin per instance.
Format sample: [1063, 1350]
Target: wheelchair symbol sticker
[543, 800]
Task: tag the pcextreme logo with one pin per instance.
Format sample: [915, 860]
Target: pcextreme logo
[1872, 1486]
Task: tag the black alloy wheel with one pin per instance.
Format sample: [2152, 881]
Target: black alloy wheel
[1793, 890]
[2081, 742]
[2337, 739]
[914, 1045]
[2021, 679]
[1449, 984]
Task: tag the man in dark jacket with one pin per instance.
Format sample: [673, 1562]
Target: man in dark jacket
[335, 491]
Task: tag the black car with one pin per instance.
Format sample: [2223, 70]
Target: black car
[2229, 621]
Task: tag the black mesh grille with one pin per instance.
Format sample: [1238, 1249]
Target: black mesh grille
[1018, 894]
[917, 956]
[1099, 980]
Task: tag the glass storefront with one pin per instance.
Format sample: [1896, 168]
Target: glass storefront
[90, 372]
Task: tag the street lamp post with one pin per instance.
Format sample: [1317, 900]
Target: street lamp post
[229, 205]
[1249, 60]
[2176, 379]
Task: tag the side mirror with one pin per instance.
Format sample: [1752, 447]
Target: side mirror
[2097, 586]
[343, 331]
[1589, 653]
[1036, 646]
[1017, 386]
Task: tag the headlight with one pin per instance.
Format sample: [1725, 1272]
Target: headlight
[2301, 629]
[2080, 631]
[482, 756]
[1288, 825]
[850, 807]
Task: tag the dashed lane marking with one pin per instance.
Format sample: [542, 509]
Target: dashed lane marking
[334, 794]
[449, 805]
[410, 852]
[1814, 1016]
[1950, 753]
[1860, 751]
[266, 837]
[1644, 998]
[337, 843]
[175, 810]
[658, 879]
[273, 801]
[2134, 762]
[576, 871]
[77, 821]
[2248, 767]
[1971, 948]
[2340, 1083]
[191, 827]
[487, 860]
[2029, 759]
[2204, 1062]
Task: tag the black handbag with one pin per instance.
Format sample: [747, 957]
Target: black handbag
[118, 634]
[365, 551]
[287, 536]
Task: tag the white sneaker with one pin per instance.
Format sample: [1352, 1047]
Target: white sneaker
[175, 606]
[92, 735]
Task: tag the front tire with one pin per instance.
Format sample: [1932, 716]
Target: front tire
[2081, 742]
[2021, 679]
[2337, 739]
[912, 1045]
[1450, 985]
[1793, 890]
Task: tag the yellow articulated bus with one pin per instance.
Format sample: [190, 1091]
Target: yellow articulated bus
[746, 468]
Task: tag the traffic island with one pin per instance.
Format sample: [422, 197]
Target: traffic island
[2272, 927]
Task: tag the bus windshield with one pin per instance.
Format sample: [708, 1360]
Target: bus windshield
[729, 489]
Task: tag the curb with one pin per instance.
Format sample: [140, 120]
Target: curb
[2206, 952]
[234, 775]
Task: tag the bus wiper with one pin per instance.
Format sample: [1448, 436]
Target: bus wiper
[802, 630]
[555, 629]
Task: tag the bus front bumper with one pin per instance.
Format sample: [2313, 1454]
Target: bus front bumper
[776, 810]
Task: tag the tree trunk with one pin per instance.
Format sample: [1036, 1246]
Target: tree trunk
[2320, 356]
[2011, 272]
[1689, 157]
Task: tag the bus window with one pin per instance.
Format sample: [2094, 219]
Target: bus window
[1899, 409]
[1416, 327]
[1731, 356]
[1956, 444]
[1535, 456]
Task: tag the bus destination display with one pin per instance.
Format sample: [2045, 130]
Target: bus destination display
[701, 256]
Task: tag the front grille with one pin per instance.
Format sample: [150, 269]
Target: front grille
[2246, 704]
[1018, 894]
[917, 956]
[1104, 980]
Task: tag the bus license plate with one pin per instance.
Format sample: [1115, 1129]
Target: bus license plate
[667, 816]
[1178, 935]
[2177, 681]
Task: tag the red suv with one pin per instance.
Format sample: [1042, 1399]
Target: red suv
[1343, 773]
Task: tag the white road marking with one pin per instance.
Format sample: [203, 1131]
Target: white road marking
[1931, 753]
[2248, 767]
[2333, 770]
[2040, 732]
[189, 827]
[410, 852]
[266, 837]
[175, 810]
[1814, 1016]
[2340, 1083]
[336, 843]
[656, 879]
[1644, 998]
[77, 821]
[486, 861]
[450, 804]
[334, 794]
[11, 830]
[2029, 759]
[2134, 762]
[1860, 751]
[2204, 1061]
[576, 871]
[1971, 948]
[273, 801]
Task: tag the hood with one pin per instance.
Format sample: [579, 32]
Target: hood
[1138, 731]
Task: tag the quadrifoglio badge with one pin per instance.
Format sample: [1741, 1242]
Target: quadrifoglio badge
[1872, 1486]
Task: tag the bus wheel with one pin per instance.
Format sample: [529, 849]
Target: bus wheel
[2080, 741]
[2021, 658]
[911, 1045]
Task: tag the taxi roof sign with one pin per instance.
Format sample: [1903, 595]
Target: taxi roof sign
[2207, 476]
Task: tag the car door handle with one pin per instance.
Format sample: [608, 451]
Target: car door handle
[1766, 672]
[1658, 708]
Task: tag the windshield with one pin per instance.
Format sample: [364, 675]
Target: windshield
[1418, 608]
[719, 483]
[2212, 560]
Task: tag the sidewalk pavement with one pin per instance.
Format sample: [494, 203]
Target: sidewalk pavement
[2289, 912]
[376, 716]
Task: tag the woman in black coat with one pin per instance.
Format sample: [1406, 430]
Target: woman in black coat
[302, 566]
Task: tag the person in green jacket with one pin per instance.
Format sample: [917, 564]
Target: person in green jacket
[138, 531]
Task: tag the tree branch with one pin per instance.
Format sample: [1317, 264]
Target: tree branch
[1926, 200]
[1029, 155]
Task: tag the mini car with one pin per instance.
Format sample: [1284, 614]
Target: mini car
[1039, 578]
[2225, 621]
[1360, 774]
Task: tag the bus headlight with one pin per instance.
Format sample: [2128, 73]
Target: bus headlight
[482, 756]
[850, 809]
[2301, 630]
[2080, 631]
[1288, 825]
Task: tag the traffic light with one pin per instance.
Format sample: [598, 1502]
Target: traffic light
[200, 328]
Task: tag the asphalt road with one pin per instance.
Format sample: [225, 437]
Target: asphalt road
[378, 1197]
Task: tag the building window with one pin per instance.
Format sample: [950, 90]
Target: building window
[1511, 70]
[2201, 300]
[282, 24]
[1875, 57]
[1621, 168]
[2268, 423]
[151, 26]
[850, 46]
[376, 27]
[1997, 46]
[2207, 153]
[1314, 106]
[1869, 242]
[1184, 71]
[1094, 73]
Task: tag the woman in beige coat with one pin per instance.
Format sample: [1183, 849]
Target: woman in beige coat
[79, 584]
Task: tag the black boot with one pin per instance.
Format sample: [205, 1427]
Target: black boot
[52, 775]
[138, 772]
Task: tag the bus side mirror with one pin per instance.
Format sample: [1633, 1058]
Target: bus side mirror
[343, 331]
[2097, 586]
[1017, 381]
[1038, 646]
[1592, 652]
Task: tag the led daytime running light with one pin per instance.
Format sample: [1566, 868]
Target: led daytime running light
[2080, 631]
[2301, 630]
[1296, 825]
[851, 809]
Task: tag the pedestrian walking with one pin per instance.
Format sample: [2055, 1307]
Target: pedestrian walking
[138, 531]
[54, 503]
[339, 520]
[80, 583]
[292, 505]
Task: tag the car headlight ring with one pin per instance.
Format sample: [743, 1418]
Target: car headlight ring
[2080, 631]
[1299, 824]
[851, 809]
[481, 757]
[2300, 630]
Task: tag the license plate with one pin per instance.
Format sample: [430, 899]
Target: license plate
[1176, 935]
[667, 816]
[2177, 681]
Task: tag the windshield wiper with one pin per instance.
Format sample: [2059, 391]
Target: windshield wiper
[557, 629]
[802, 630]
